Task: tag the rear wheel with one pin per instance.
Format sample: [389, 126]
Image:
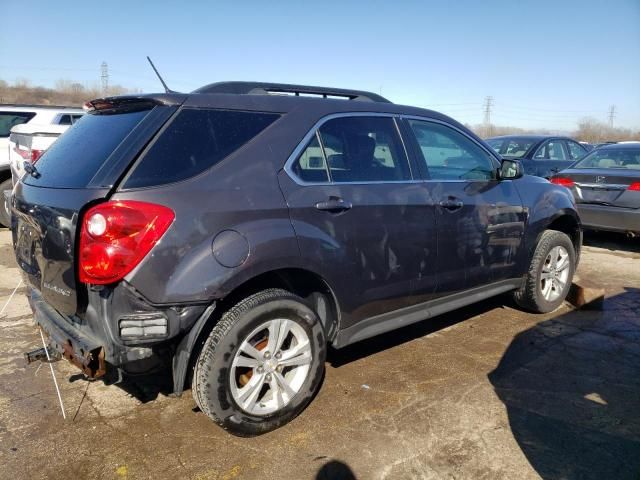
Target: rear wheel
[5, 218]
[550, 274]
[261, 364]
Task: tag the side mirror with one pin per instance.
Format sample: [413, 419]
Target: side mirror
[510, 170]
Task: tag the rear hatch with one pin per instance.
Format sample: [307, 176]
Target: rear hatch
[79, 169]
[606, 186]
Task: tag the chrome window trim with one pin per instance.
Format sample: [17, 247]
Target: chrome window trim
[305, 140]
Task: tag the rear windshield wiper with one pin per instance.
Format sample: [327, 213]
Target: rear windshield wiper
[31, 169]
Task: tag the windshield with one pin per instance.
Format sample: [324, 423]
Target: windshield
[74, 159]
[611, 158]
[511, 147]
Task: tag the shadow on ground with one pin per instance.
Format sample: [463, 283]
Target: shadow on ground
[394, 338]
[612, 241]
[571, 386]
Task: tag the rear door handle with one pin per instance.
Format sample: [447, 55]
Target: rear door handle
[451, 204]
[334, 205]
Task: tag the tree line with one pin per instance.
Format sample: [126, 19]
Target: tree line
[65, 93]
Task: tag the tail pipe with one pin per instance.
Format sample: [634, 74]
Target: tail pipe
[40, 355]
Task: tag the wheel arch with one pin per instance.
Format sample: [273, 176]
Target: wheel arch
[566, 222]
[308, 285]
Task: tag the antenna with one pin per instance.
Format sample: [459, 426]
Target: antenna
[166, 89]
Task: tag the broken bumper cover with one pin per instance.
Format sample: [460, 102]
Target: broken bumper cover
[83, 351]
[87, 345]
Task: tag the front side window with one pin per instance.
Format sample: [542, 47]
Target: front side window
[8, 120]
[552, 150]
[450, 155]
[195, 141]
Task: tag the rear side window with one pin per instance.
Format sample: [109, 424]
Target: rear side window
[311, 166]
[74, 158]
[195, 141]
[8, 120]
[364, 149]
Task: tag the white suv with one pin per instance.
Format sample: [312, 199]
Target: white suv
[45, 124]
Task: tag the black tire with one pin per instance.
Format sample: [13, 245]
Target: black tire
[211, 378]
[530, 296]
[5, 219]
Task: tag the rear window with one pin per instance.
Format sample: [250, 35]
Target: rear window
[8, 120]
[74, 159]
[195, 141]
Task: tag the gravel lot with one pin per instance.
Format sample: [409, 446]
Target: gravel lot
[486, 392]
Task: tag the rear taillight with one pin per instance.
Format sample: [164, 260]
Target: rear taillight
[29, 154]
[563, 181]
[35, 155]
[635, 186]
[116, 236]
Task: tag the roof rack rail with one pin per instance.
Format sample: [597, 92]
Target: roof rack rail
[263, 88]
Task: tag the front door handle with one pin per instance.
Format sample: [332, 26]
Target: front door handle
[334, 205]
[451, 204]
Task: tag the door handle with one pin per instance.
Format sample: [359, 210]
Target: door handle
[451, 204]
[334, 205]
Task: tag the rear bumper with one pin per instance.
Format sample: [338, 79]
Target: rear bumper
[615, 219]
[85, 347]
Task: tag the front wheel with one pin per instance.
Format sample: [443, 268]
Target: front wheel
[262, 363]
[550, 274]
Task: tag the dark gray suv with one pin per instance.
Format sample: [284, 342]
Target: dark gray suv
[230, 235]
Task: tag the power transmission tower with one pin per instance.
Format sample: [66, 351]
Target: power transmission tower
[104, 77]
[488, 104]
[612, 115]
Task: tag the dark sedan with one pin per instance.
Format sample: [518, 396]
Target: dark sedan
[606, 186]
[541, 155]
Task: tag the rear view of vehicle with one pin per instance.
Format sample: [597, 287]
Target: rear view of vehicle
[606, 186]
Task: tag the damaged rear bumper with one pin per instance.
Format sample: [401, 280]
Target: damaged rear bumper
[83, 351]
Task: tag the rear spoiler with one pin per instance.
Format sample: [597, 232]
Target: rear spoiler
[133, 102]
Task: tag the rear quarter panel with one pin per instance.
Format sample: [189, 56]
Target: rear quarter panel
[240, 194]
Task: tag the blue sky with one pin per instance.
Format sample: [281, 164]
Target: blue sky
[546, 63]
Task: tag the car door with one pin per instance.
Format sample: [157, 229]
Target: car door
[551, 157]
[479, 219]
[362, 221]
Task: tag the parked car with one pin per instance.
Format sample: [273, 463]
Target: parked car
[235, 232]
[606, 186]
[50, 122]
[541, 155]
